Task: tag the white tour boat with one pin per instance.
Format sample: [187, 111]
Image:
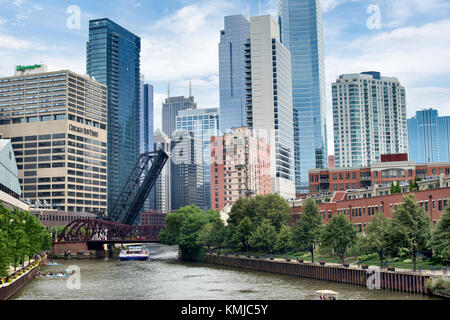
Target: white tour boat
[134, 252]
[327, 295]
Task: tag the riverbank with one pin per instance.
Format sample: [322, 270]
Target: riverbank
[388, 280]
[17, 280]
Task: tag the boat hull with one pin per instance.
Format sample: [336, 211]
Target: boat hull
[133, 258]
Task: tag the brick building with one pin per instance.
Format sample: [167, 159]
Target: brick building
[361, 209]
[152, 218]
[391, 168]
[240, 167]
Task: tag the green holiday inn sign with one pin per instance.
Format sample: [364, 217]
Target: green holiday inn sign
[22, 68]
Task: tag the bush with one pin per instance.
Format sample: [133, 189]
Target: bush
[438, 286]
[404, 253]
[367, 257]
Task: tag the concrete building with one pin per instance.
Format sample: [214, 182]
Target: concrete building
[269, 100]
[302, 34]
[186, 172]
[113, 59]
[170, 110]
[161, 196]
[57, 124]
[429, 137]
[10, 191]
[240, 167]
[204, 124]
[232, 72]
[369, 118]
[328, 181]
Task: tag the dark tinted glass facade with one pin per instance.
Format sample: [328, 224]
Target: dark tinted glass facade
[113, 59]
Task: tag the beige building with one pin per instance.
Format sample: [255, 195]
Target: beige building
[57, 125]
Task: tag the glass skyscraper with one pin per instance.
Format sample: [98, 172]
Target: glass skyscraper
[301, 33]
[146, 118]
[429, 137]
[204, 124]
[170, 109]
[113, 59]
[232, 72]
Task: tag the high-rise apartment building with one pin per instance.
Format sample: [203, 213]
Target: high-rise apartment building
[269, 99]
[301, 33]
[170, 110]
[204, 124]
[186, 170]
[429, 137]
[369, 118]
[57, 123]
[232, 72]
[113, 59]
[146, 117]
[240, 167]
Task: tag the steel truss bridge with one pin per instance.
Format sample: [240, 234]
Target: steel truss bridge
[118, 226]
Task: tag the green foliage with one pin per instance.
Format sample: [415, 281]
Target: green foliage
[283, 242]
[367, 257]
[264, 237]
[307, 231]
[395, 188]
[410, 227]
[205, 237]
[440, 240]
[21, 235]
[339, 235]
[413, 185]
[376, 238]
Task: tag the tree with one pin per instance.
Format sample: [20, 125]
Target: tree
[339, 234]
[283, 241]
[218, 233]
[413, 185]
[205, 237]
[243, 232]
[376, 239]
[307, 231]
[395, 187]
[411, 226]
[440, 240]
[264, 236]
[5, 255]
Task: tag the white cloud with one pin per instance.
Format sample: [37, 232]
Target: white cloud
[10, 42]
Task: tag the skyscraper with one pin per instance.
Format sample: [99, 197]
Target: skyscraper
[186, 170]
[204, 124]
[232, 73]
[161, 193]
[269, 99]
[146, 118]
[113, 59]
[170, 110]
[428, 136]
[301, 33]
[369, 118]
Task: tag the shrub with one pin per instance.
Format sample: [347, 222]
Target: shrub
[367, 257]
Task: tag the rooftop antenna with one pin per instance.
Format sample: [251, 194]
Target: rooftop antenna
[190, 88]
[248, 11]
[260, 8]
[168, 89]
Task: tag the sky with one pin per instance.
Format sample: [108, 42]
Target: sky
[407, 39]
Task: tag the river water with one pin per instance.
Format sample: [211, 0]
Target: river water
[164, 277]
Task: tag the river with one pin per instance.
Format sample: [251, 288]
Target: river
[164, 277]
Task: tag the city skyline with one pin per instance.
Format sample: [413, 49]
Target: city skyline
[346, 27]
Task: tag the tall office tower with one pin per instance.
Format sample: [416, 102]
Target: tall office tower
[301, 33]
[204, 124]
[146, 124]
[186, 170]
[428, 137]
[269, 99]
[57, 124]
[113, 59]
[369, 118]
[161, 194]
[170, 110]
[232, 72]
[244, 172]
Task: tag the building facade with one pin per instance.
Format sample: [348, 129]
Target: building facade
[302, 34]
[369, 118]
[328, 181]
[240, 167]
[269, 100]
[232, 72]
[170, 109]
[204, 124]
[160, 196]
[429, 137]
[57, 123]
[146, 117]
[186, 170]
[113, 59]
